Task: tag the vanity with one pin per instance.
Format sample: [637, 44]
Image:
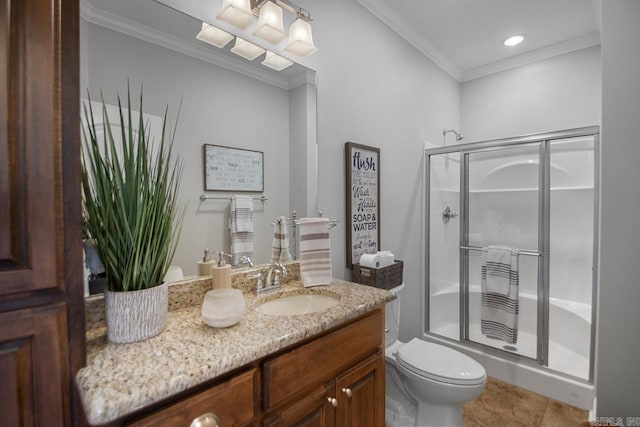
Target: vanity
[323, 368]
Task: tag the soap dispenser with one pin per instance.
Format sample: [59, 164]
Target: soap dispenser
[221, 273]
[204, 266]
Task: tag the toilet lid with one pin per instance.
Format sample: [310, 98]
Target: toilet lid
[440, 363]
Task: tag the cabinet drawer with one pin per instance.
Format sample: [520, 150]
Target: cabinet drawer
[322, 359]
[232, 401]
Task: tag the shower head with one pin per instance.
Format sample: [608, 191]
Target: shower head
[457, 134]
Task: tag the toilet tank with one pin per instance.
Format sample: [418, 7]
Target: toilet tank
[392, 317]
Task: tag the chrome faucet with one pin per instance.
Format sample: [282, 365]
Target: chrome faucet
[245, 260]
[270, 282]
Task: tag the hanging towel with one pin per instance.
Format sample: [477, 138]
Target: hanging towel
[241, 227]
[499, 293]
[315, 252]
[280, 247]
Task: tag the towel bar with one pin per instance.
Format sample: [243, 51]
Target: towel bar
[204, 197]
[528, 252]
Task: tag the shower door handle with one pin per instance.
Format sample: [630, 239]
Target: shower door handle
[447, 214]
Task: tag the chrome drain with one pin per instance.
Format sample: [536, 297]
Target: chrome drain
[510, 347]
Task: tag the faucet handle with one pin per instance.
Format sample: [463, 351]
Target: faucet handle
[246, 260]
[259, 283]
[276, 278]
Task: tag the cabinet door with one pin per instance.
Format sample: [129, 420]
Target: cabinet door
[321, 360]
[233, 402]
[32, 207]
[361, 394]
[316, 409]
[33, 382]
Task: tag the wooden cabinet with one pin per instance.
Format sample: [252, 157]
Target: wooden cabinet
[41, 292]
[335, 379]
[360, 394]
[233, 402]
[32, 367]
[354, 399]
[315, 409]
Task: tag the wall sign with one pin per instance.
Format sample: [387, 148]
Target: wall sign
[232, 169]
[362, 169]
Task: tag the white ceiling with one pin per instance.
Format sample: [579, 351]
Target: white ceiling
[465, 36]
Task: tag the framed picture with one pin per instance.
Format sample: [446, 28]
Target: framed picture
[232, 169]
[362, 171]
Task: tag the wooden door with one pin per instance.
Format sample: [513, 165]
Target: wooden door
[41, 298]
[32, 360]
[360, 394]
[316, 409]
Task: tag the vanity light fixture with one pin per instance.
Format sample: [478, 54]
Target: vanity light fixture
[270, 24]
[300, 38]
[513, 41]
[215, 36]
[236, 13]
[276, 62]
[247, 50]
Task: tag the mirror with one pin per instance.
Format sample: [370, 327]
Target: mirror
[225, 100]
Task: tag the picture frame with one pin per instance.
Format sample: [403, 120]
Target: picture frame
[232, 169]
[362, 185]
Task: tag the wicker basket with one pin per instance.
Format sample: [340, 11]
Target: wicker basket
[383, 278]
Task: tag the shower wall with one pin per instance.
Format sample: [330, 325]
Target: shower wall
[562, 92]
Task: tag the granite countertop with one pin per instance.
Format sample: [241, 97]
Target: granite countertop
[121, 378]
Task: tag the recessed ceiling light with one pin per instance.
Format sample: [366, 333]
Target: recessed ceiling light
[514, 40]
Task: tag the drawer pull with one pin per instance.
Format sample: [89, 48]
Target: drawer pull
[333, 401]
[347, 391]
[206, 420]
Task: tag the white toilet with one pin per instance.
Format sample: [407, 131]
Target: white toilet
[426, 382]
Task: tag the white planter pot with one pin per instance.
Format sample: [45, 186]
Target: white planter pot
[136, 315]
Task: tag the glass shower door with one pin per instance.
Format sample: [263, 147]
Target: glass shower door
[444, 238]
[502, 200]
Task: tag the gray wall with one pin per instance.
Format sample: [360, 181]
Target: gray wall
[376, 89]
[618, 374]
[558, 93]
[302, 154]
[218, 107]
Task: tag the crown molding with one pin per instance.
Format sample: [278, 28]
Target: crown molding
[131, 28]
[572, 45]
[385, 12]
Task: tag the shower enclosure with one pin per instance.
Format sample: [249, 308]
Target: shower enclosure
[537, 194]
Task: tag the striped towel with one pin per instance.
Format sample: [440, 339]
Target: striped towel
[315, 252]
[499, 293]
[280, 247]
[241, 227]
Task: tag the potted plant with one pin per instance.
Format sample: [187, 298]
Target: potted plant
[130, 186]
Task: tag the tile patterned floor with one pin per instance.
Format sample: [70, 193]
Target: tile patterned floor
[505, 405]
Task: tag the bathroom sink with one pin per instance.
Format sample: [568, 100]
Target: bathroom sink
[297, 304]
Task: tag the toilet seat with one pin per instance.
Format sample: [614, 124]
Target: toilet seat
[440, 363]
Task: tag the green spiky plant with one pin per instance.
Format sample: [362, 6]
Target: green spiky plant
[130, 205]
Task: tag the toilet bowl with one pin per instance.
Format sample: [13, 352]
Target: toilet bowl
[436, 378]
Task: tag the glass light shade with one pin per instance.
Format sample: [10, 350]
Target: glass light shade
[270, 25]
[236, 13]
[247, 50]
[276, 62]
[300, 39]
[215, 36]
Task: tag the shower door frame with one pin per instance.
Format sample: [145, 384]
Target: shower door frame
[542, 335]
